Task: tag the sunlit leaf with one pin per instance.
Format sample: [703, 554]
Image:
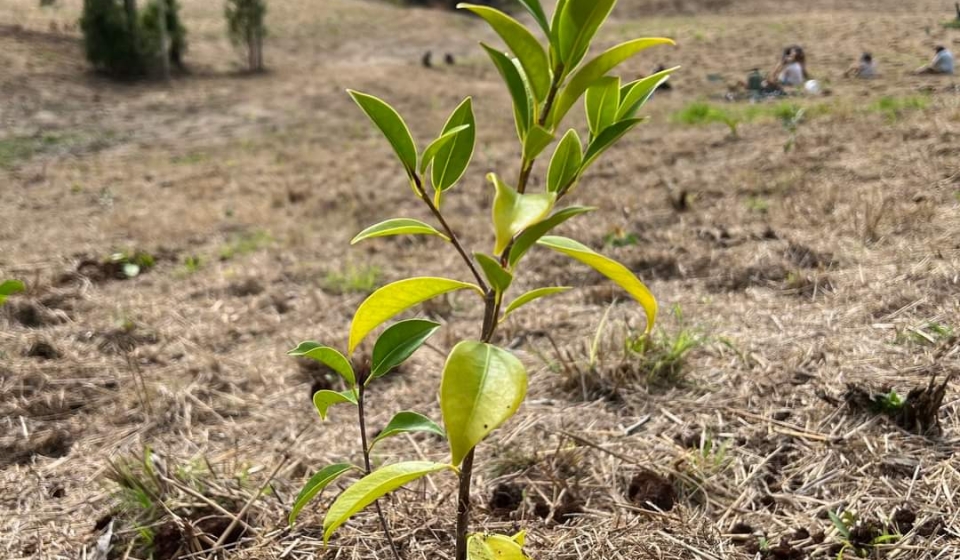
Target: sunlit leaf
[10, 287]
[372, 487]
[324, 399]
[602, 102]
[328, 357]
[430, 152]
[453, 158]
[565, 163]
[635, 94]
[408, 422]
[512, 75]
[393, 299]
[499, 278]
[397, 226]
[530, 235]
[391, 125]
[513, 212]
[579, 22]
[315, 485]
[482, 387]
[536, 10]
[537, 140]
[522, 44]
[606, 140]
[609, 268]
[398, 342]
[496, 547]
[530, 296]
[596, 69]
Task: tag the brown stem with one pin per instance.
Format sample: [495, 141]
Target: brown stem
[453, 236]
[366, 464]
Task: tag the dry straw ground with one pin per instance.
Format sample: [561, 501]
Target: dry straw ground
[805, 273]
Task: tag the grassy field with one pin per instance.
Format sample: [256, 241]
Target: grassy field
[805, 271]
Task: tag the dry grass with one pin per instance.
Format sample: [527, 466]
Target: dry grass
[811, 271]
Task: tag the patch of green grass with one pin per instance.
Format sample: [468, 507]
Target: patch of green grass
[951, 24]
[758, 204]
[620, 238]
[925, 335]
[700, 113]
[352, 279]
[245, 243]
[18, 149]
[662, 354]
[894, 108]
[192, 158]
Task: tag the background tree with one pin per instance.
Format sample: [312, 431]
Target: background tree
[246, 28]
[123, 41]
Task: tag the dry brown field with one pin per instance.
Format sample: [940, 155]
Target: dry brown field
[805, 280]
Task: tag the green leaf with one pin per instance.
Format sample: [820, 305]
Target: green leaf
[635, 94]
[372, 487]
[606, 140]
[408, 422]
[397, 226]
[393, 299]
[565, 163]
[609, 268]
[536, 10]
[398, 342]
[536, 141]
[10, 287]
[431, 151]
[324, 399]
[499, 278]
[514, 212]
[579, 23]
[315, 485]
[596, 69]
[531, 296]
[328, 357]
[482, 387]
[523, 45]
[840, 525]
[530, 235]
[496, 547]
[513, 76]
[391, 125]
[602, 103]
[453, 158]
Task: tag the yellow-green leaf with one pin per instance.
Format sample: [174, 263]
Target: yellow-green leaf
[397, 343]
[430, 152]
[635, 94]
[10, 287]
[609, 268]
[482, 387]
[596, 69]
[530, 235]
[393, 299]
[391, 125]
[452, 159]
[496, 547]
[602, 103]
[522, 43]
[531, 296]
[579, 22]
[499, 278]
[536, 141]
[408, 422]
[606, 140]
[372, 487]
[324, 399]
[315, 485]
[565, 163]
[328, 357]
[514, 212]
[536, 10]
[397, 226]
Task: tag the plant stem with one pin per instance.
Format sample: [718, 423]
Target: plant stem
[366, 465]
[449, 231]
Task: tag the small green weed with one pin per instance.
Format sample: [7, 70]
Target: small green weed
[894, 108]
[925, 335]
[620, 238]
[758, 204]
[245, 243]
[352, 280]
[700, 113]
[662, 355]
[951, 24]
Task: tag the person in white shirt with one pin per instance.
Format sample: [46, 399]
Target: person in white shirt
[941, 64]
[792, 70]
[866, 68]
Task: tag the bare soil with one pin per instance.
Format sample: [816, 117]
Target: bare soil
[809, 273]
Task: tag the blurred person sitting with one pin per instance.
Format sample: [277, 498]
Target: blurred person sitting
[865, 68]
[791, 71]
[942, 63]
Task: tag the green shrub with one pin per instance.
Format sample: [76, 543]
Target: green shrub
[245, 27]
[121, 43]
[150, 28]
